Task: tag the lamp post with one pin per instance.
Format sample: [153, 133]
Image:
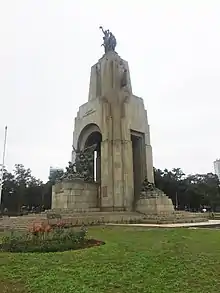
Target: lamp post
[3, 164]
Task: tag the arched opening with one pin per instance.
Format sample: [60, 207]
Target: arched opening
[95, 138]
[90, 135]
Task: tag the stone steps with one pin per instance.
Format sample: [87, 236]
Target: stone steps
[91, 218]
[178, 215]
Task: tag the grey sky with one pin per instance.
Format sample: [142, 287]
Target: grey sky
[47, 49]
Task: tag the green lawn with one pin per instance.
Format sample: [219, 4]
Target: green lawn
[132, 260]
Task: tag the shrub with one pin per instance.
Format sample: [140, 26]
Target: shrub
[42, 238]
[40, 230]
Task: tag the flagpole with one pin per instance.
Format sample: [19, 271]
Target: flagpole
[3, 164]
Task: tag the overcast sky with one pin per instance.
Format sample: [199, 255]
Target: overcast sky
[48, 46]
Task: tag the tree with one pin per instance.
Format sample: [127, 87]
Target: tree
[192, 191]
[8, 191]
[170, 182]
[56, 176]
[20, 188]
[22, 176]
[204, 189]
[47, 195]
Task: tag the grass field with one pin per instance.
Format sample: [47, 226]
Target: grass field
[132, 260]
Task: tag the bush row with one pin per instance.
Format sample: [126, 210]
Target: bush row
[44, 240]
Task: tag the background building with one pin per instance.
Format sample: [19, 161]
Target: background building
[217, 167]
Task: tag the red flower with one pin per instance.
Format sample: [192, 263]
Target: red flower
[38, 228]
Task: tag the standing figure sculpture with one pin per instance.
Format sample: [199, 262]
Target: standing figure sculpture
[109, 40]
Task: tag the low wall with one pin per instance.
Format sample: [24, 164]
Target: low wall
[75, 194]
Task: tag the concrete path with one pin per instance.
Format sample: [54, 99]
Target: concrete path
[177, 225]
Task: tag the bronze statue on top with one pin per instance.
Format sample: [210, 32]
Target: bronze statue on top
[109, 40]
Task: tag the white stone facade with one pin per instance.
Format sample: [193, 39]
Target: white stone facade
[121, 120]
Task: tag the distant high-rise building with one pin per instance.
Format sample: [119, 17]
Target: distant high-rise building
[54, 170]
[217, 167]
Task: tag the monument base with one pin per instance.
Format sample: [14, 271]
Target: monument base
[153, 201]
[74, 194]
[155, 205]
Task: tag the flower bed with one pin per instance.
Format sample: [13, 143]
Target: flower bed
[44, 238]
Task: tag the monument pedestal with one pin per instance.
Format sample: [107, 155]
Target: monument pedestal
[155, 205]
[74, 194]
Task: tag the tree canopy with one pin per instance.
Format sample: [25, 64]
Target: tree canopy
[21, 188]
[189, 192]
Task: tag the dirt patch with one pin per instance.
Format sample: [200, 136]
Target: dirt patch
[11, 287]
[92, 242]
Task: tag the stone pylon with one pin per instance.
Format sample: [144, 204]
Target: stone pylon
[117, 121]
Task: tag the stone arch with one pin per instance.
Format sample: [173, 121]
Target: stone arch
[86, 134]
[90, 135]
[94, 138]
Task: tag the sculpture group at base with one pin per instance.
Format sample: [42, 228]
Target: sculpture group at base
[83, 166]
[149, 189]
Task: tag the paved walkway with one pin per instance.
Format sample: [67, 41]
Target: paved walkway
[177, 225]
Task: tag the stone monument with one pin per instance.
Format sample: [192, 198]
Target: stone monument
[114, 124]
